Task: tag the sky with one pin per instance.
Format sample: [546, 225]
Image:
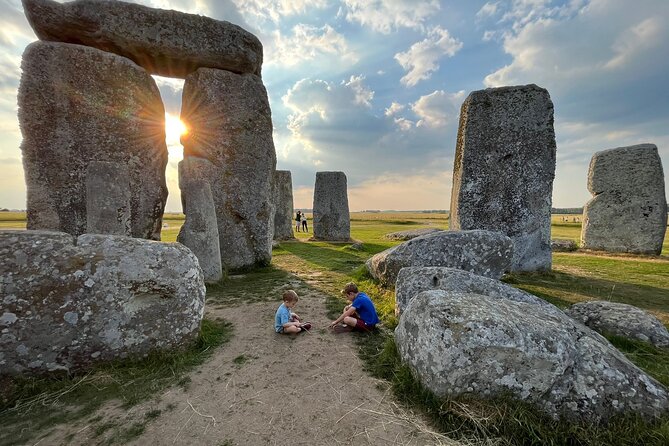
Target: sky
[373, 88]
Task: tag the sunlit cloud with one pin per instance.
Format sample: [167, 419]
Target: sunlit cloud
[438, 108]
[307, 43]
[421, 59]
[385, 16]
[394, 109]
[275, 10]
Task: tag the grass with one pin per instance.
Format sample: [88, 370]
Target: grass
[500, 420]
[35, 404]
[641, 281]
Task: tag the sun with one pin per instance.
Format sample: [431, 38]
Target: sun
[174, 128]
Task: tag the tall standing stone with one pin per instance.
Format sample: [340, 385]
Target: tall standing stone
[200, 230]
[230, 124]
[78, 105]
[332, 220]
[628, 212]
[107, 198]
[504, 170]
[167, 43]
[283, 217]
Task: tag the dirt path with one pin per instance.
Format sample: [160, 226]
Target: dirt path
[263, 388]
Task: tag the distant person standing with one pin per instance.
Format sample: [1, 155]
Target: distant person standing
[298, 219]
[304, 223]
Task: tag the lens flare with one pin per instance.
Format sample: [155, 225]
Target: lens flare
[174, 128]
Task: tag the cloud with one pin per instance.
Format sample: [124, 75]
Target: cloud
[425, 190]
[438, 108]
[637, 40]
[308, 43]
[420, 60]
[385, 16]
[275, 10]
[335, 126]
[487, 10]
[394, 109]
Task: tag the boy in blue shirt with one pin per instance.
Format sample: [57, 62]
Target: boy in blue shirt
[285, 321]
[361, 314]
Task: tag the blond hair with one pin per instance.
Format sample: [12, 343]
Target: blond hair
[290, 296]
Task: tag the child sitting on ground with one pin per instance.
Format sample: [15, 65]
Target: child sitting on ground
[285, 321]
[361, 314]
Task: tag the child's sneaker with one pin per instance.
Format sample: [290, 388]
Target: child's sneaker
[306, 326]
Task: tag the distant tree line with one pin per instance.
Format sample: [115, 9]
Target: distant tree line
[566, 210]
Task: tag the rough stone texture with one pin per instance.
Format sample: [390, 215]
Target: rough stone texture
[78, 105]
[563, 245]
[283, 200]
[628, 212]
[464, 343]
[504, 170]
[332, 220]
[166, 43]
[68, 302]
[411, 233]
[108, 198]
[200, 229]
[413, 280]
[230, 124]
[620, 319]
[482, 252]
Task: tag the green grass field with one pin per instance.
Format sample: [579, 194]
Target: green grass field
[578, 276]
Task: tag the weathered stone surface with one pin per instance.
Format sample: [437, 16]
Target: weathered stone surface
[332, 220]
[504, 170]
[108, 198]
[68, 302]
[200, 229]
[482, 252]
[413, 280]
[230, 124]
[563, 245]
[411, 233]
[78, 105]
[283, 200]
[628, 212]
[166, 43]
[620, 319]
[465, 343]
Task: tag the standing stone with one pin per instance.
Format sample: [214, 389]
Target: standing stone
[166, 43]
[283, 217]
[628, 212]
[78, 105]
[504, 170]
[107, 198]
[200, 230]
[332, 220]
[230, 125]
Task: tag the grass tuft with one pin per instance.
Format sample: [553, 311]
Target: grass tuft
[500, 420]
[36, 404]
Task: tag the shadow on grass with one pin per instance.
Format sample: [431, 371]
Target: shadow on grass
[563, 289]
[253, 286]
[332, 257]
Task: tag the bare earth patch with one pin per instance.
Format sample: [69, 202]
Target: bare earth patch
[266, 388]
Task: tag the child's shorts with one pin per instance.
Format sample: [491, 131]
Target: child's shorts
[360, 325]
